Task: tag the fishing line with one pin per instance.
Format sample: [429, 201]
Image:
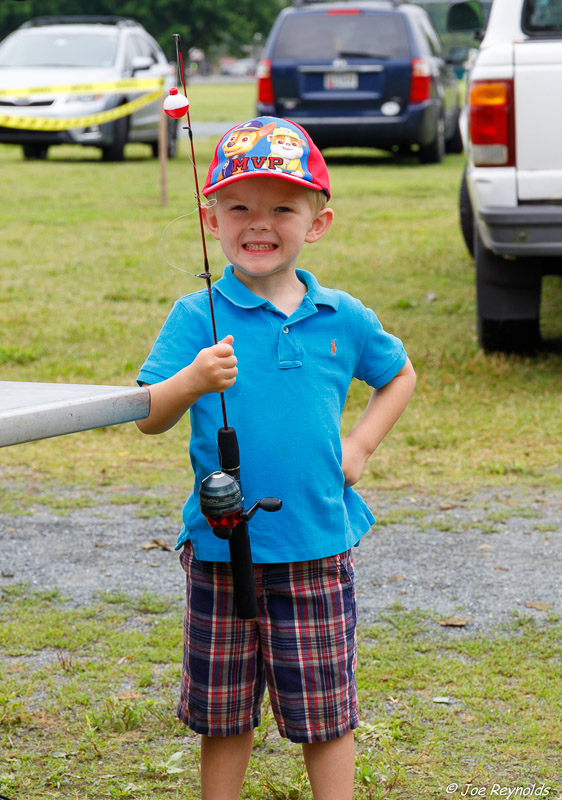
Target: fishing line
[162, 240]
[163, 235]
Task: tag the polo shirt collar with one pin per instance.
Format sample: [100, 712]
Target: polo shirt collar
[318, 294]
[238, 294]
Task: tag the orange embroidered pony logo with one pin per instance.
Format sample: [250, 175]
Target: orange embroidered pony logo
[334, 347]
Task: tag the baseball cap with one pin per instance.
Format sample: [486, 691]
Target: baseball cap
[268, 146]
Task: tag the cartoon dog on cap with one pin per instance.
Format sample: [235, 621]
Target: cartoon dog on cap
[240, 141]
[288, 145]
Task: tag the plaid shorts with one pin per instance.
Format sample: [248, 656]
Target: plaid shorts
[302, 646]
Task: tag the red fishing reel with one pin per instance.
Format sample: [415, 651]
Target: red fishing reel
[222, 504]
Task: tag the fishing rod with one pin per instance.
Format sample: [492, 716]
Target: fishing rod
[220, 494]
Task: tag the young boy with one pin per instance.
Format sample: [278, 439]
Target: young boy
[288, 353]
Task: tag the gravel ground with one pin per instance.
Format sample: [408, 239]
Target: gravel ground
[483, 557]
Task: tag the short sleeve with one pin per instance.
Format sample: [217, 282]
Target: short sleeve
[382, 355]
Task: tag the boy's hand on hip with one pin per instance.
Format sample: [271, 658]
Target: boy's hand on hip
[383, 409]
[214, 368]
[354, 458]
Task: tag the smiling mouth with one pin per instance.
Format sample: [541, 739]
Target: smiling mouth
[253, 247]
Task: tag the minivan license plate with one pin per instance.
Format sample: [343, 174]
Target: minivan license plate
[341, 80]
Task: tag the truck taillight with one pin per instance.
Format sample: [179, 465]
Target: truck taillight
[491, 123]
[420, 83]
[266, 95]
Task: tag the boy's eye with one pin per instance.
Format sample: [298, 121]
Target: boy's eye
[283, 208]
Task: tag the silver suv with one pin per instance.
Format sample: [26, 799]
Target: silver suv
[511, 193]
[63, 51]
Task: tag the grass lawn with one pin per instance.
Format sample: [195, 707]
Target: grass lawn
[87, 707]
[86, 289]
[87, 694]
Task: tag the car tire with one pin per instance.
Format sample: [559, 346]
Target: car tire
[434, 152]
[116, 150]
[33, 152]
[454, 144]
[172, 140]
[507, 302]
[466, 215]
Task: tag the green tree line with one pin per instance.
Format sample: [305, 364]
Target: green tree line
[211, 25]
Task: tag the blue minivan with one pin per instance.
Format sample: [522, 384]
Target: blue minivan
[370, 73]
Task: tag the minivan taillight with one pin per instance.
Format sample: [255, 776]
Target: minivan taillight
[492, 123]
[420, 84]
[266, 95]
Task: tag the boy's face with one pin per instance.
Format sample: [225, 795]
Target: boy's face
[262, 224]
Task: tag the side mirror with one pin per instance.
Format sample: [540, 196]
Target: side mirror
[141, 62]
[465, 17]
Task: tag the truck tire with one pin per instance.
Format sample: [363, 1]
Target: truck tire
[466, 215]
[507, 301]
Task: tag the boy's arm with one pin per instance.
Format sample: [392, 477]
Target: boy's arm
[383, 409]
[213, 370]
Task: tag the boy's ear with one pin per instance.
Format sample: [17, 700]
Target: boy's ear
[210, 220]
[320, 225]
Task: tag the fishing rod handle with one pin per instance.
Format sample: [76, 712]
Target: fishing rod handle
[243, 578]
[229, 453]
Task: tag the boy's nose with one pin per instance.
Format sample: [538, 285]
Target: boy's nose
[259, 222]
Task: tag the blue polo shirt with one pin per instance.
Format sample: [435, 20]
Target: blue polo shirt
[286, 405]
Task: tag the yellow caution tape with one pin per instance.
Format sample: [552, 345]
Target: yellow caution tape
[63, 124]
[102, 87]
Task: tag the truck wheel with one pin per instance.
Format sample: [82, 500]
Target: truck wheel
[507, 301]
[466, 215]
[508, 335]
[434, 152]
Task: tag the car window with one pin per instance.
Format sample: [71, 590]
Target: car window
[330, 36]
[145, 48]
[59, 49]
[132, 50]
[431, 36]
[542, 16]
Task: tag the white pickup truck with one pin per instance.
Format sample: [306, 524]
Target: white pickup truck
[511, 194]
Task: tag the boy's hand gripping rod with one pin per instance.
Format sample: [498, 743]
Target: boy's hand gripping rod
[220, 494]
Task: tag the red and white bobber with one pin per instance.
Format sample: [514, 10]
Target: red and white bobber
[176, 104]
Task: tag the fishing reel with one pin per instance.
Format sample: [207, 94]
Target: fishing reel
[222, 504]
